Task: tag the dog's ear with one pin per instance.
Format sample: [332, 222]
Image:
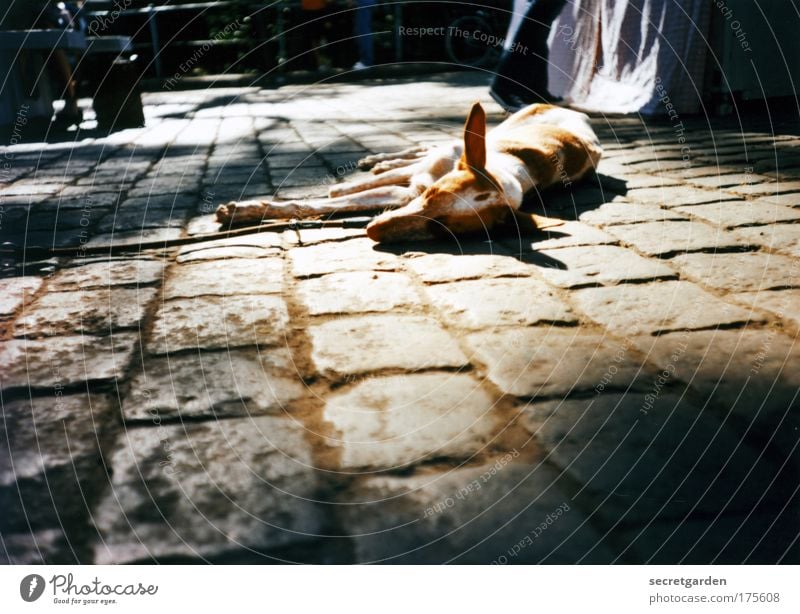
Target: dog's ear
[475, 137]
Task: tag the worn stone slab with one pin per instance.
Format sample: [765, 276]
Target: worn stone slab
[370, 343]
[653, 308]
[267, 242]
[161, 236]
[609, 214]
[311, 236]
[666, 238]
[789, 200]
[742, 213]
[487, 303]
[44, 547]
[501, 512]
[146, 217]
[739, 181]
[50, 455]
[207, 490]
[16, 292]
[401, 420]
[356, 292]
[90, 312]
[572, 267]
[219, 322]
[104, 273]
[225, 277]
[536, 362]
[568, 234]
[676, 196]
[353, 255]
[739, 272]
[439, 268]
[647, 456]
[69, 361]
[780, 237]
[767, 188]
[750, 373]
[783, 304]
[213, 385]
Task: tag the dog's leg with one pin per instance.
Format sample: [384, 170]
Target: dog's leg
[388, 165]
[255, 211]
[368, 162]
[397, 176]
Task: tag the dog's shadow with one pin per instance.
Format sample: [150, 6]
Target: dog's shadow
[516, 239]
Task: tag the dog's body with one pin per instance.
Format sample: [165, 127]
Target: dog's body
[457, 188]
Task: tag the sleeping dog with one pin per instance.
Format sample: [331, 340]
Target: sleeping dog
[458, 188]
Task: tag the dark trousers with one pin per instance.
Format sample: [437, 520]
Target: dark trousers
[523, 68]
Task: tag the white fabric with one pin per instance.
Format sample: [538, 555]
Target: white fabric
[519, 8]
[608, 55]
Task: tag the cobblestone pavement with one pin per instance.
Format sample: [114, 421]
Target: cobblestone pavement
[622, 388]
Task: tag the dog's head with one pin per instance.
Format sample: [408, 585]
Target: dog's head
[465, 200]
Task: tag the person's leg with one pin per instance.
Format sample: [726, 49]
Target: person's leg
[363, 32]
[521, 75]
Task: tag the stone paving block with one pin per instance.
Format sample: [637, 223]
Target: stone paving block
[269, 241]
[768, 188]
[370, 343]
[16, 292]
[537, 362]
[129, 220]
[501, 512]
[311, 236]
[69, 361]
[789, 200]
[676, 196]
[90, 312]
[357, 292]
[219, 322]
[213, 385]
[784, 304]
[50, 458]
[738, 272]
[207, 490]
[571, 267]
[105, 273]
[60, 237]
[747, 372]
[224, 253]
[438, 268]
[742, 213]
[608, 214]
[486, 303]
[653, 308]
[739, 181]
[780, 237]
[641, 181]
[160, 204]
[45, 547]
[225, 278]
[202, 225]
[647, 456]
[161, 236]
[353, 255]
[666, 238]
[400, 420]
[569, 234]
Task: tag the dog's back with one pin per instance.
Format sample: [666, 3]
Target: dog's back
[552, 143]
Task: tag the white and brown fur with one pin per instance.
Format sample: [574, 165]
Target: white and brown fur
[457, 188]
